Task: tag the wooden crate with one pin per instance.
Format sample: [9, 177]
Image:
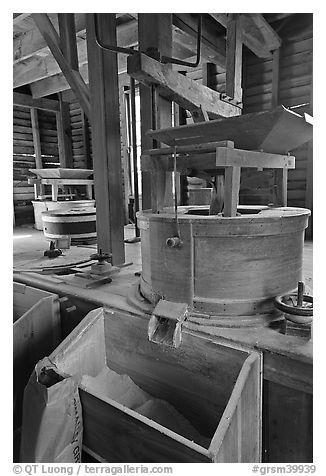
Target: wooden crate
[36, 333]
[217, 388]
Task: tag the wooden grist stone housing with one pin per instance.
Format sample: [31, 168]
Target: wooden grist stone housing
[217, 388]
[220, 269]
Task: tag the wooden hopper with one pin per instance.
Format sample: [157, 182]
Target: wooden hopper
[277, 131]
[58, 173]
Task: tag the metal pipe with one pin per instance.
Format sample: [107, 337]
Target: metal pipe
[168, 59]
[113, 48]
[164, 59]
[134, 149]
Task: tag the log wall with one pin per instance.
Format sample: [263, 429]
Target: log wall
[295, 88]
[24, 156]
[79, 148]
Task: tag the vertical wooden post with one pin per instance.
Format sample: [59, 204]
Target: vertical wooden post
[37, 147]
[280, 175]
[309, 173]
[233, 58]
[209, 71]
[105, 120]
[281, 185]
[159, 36]
[275, 77]
[36, 138]
[231, 193]
[68, 44]
[64, 135]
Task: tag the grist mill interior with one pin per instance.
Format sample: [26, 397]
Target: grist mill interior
[162, 213]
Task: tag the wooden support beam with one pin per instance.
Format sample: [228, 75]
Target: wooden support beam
[36, 138]
[64, 135]
[281, 187]
[258, 35]
[234, 58]
[43, 65]
[31, 42]
[27, 101]
[226, 157]
[38, 187]
[68, 43]
[18, 17]
[73, 77]
[155, 111]
[309, 173]
[219, 156]
[209, 71]
[280, 175]
[231, 191]
[176, 87]
[105, 121]
[275, 77]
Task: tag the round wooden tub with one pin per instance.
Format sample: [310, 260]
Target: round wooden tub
[79, 224]
[228, 267]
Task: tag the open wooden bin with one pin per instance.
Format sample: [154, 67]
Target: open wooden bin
[216, 388]
[36, 333]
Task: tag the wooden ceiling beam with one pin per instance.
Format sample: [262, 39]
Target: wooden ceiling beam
[73, 77]
[18, 17]
[31, 42]
[257, 34]
[37, 68]
[58, 83]
[27, 101]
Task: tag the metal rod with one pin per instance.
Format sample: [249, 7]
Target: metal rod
[128, 121]
[113, 48]
[154, 109]
[175, 193]
[168, 59]
[134, 149]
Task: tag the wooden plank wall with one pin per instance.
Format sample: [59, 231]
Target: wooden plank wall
[78, 146]
[24, 158]
[294, 89]
[23, 146]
